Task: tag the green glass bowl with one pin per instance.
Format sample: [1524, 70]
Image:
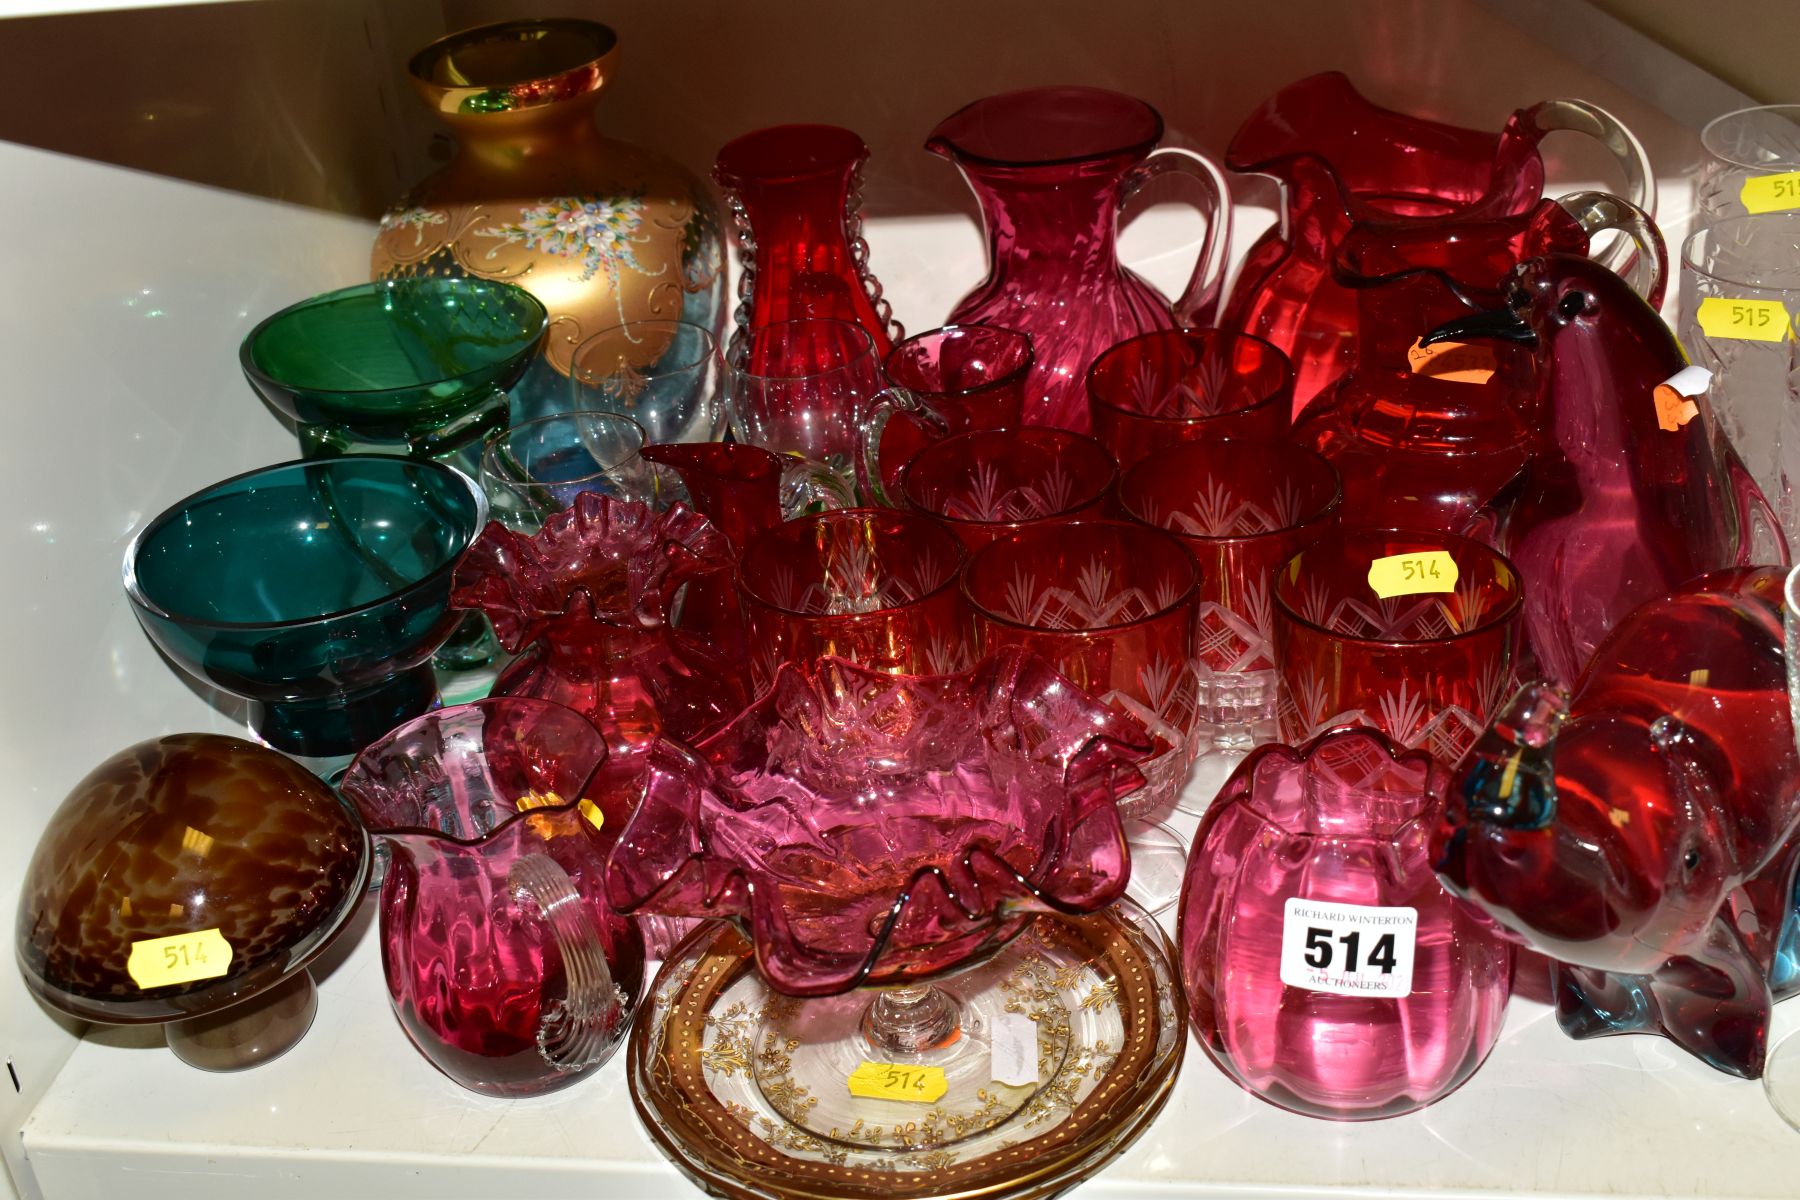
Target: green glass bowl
[316, 590]
[418, 366]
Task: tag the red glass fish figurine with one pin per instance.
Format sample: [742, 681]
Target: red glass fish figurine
[1618, 505]
[1644, 832]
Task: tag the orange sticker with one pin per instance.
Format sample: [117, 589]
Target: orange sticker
[1452, 362]
[1673, 410]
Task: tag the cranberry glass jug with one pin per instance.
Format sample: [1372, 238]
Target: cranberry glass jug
[1341, 160]
[1433, 442]
[1050, 167]
[504, 963]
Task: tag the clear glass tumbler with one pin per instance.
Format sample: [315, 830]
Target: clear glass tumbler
[1752, 163]
[1740, 291]
[662, 374]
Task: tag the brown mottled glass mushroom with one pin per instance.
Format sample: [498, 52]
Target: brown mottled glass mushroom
[187, 881]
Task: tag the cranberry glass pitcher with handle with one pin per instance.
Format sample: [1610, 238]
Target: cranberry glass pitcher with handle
[1342, 160]
[1050, 167]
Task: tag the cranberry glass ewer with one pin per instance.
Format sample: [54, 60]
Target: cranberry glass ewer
[586, 603]
[1430, 442]
[1050, 167]
[1327, 970]
[793, 192]
[1342, 160]
[504, 964]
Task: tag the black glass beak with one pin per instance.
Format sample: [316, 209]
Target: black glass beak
[1498, 324]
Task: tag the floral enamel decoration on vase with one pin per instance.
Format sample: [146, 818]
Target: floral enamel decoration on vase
[603, 232]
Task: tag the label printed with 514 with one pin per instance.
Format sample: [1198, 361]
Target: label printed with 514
[1348, 949]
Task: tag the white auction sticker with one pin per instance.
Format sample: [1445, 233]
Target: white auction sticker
[1015, 1051]
[1348, 949]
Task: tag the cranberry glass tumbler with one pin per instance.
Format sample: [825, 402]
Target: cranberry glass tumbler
[1242, 507]
[1111, 605]
[1327, 970]
[1184, 385]
[1427, 668]
[992, 482]
[966, 376]
[871, 585]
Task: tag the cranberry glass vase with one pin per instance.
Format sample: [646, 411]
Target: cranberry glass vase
[1341, 160]
[1327, 970]
[1427, 668]
[1050, 167]
[1187, 385]
[989, 483]
[586, 604]
[793, 192]
[1242, 508]
[505, 965]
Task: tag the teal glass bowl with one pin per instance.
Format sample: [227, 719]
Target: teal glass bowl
[407, 366]
[318, 591]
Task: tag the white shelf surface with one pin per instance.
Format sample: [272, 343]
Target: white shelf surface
[126, 395]
[354, 1111]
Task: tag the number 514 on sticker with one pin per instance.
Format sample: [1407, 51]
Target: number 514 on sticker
[1348, 949]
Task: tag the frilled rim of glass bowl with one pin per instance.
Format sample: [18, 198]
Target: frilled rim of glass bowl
[1102, 761]
[361, 776]
[521, 583]
[429, 579]
[1253, 778]
[267, 383]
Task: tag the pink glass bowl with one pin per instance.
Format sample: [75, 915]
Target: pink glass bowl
[1111, 605]
[1183, 385]
[586, 603]
[992, 482]
[1242, 507]
[1307, 858]
[870, 828]
[872, 585]
[504, 964]
[1429, 670]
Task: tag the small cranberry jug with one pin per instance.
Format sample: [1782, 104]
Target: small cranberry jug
[1342, 160]
[1051, 167]
[1327, 970]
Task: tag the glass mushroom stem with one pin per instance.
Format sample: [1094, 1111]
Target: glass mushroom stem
[263, 1027]
[915, 1019]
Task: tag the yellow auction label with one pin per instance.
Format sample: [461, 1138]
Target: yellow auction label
[1409, 574]
[179, 958]
[586, 807]
[886, 1081]
[1771, 193]
[1744, 320]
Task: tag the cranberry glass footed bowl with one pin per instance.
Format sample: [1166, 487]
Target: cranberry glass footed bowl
[868, 828]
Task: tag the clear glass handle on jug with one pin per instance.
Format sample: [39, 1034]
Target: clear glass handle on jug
[1198, 305]
[883, 407]
[1578, 116]
[1646, 255]
[581, 1028]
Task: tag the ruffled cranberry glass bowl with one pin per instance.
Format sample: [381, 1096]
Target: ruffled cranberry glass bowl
[868, 831]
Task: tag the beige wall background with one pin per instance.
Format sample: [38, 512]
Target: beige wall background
[305, 100]
[1754, 45]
